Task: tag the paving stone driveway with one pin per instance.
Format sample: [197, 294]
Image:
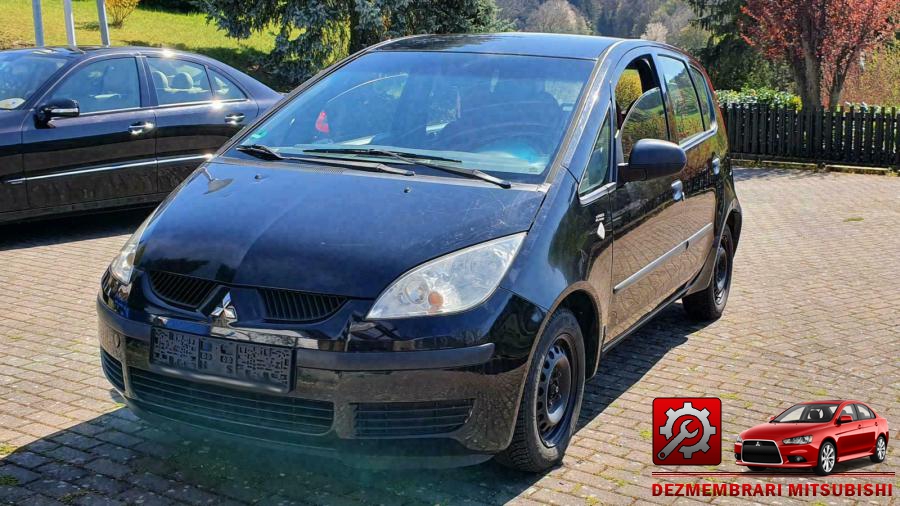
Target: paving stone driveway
[813, 314]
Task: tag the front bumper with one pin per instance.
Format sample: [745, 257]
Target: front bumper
[790, 456]
[441, 407]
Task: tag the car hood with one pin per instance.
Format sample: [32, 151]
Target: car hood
[779, 431]
[323, 230]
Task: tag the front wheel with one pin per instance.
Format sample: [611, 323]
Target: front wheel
[551, 401]
[709, 304]
[880, 450]
[827, 459]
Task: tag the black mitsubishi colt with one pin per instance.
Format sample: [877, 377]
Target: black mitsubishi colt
[421, 254]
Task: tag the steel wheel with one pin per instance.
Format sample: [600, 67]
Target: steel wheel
[827, 458]
[555, 395]
[722, 276]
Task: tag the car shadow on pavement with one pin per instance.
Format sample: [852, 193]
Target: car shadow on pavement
[118, 456]
[61, 230]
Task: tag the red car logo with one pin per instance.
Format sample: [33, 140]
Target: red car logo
[814, 435]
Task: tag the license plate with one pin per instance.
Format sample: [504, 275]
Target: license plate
[255, 363]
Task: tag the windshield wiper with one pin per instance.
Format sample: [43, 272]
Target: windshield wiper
[266, 153]
[418, 159]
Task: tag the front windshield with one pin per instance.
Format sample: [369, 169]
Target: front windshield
[808, 413]
[21, 74]
[500, 114]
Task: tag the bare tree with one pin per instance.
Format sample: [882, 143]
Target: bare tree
[655, 31]
[557, 16]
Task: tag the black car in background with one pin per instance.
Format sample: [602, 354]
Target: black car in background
[91, 128]
[425, 251]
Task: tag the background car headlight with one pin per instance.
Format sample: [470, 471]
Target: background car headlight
[122, 267]
[799, 440]
[451, 283]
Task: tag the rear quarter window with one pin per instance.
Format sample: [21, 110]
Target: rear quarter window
[707, 106]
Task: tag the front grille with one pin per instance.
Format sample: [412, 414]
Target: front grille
[230, 410]
[112, 368]
[182, 291]
[288, 305]
[765, 453]
[405, 419]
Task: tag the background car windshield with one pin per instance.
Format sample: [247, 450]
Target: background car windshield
[22, 74]
[808, 413]
[498, 113]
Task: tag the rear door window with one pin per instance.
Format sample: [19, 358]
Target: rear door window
[686, 106]
[224, 88]
[864, 412]
[706, 99]
[179, 81]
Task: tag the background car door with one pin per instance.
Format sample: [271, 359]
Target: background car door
[198, 109]
[696, 135]
[648, 216]
[868, 428]
[849, 435]
[13, 196]
[106, 152]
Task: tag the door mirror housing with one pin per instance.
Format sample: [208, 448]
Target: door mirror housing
[844, 419]
[59, 108]
[651, 159]
[771, 418]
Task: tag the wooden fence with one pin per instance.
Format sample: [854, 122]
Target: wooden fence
[848, 136]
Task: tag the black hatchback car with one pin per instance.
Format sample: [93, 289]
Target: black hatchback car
[425, 251]
[93, 128]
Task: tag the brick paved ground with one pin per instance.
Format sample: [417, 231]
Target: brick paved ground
[813, 314]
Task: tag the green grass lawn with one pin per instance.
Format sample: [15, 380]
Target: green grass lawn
[189, 32]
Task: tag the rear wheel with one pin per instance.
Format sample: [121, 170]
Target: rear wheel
[880, 450]
[709, 304]
[551, 401]
[827, 459]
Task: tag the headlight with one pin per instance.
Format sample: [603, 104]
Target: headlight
[449, 284]
[800, 440]
[738, 440]
[122, 267]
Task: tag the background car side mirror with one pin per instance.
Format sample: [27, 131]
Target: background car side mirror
[771, 418]
[844, 419]
[59, 108]
[651, 159]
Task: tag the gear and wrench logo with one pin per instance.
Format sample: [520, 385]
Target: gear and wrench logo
[687, 431]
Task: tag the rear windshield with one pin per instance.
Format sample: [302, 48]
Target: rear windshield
[22, 73]
[501, 114]
[808, 413]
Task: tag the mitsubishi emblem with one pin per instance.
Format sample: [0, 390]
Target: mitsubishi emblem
[224, 314]
[757, 443]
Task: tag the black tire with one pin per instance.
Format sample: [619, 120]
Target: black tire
[539, 443]
[827, 459]
[709, 303]
[880, 450]
[757, 469]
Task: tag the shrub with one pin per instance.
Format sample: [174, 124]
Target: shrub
[766, 96]
[118, 10]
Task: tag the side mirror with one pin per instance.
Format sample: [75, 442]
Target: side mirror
[844, 419]
[651, 159]
[771, 418]
[60, 108]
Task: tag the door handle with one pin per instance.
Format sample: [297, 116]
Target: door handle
[716, 165]
[234, 119]
[677, 190]
[140, 128]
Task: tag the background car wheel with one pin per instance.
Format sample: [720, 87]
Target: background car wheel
[551, 401]
[827, 459]
[709, 304]
[880, 450]
[756, 468]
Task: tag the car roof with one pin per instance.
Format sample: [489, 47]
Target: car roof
[832, 401]
[84, 51]
[558, 45]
